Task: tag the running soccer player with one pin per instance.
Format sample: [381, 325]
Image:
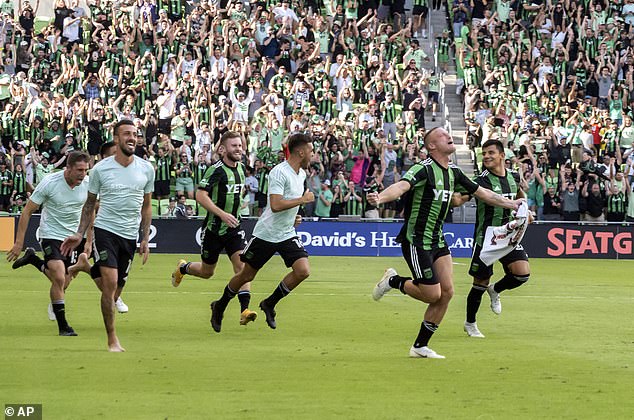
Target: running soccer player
[219, 192]
[61, 197]
[428, 187]
[83, 264]
[124, 183]
[275, 232]
[495, 178]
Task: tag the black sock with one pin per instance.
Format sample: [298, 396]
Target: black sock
[427, 329]
[37, 262]
[183, 268]
[60, 314]
[398, 282]
[473, 301]
[280, 291]
[507, 282]
[227, 295]
[244, 296]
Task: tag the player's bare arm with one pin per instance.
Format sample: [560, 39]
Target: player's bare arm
[202, 197]
[389, 194]
[28, 210]
[87, 219]
[279, 204]
[458, 199]
[495, 199]
[146, 222]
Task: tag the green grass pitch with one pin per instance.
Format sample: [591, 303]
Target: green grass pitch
[562, 348]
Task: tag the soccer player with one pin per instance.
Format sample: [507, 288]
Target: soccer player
[219, 192]
[124, 183]
[495, 178]
[428, 187]
[275, 232]
[106, 150]
[61, 197]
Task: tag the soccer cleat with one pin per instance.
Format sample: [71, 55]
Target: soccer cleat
[68, 332]
[216, 316]
[122, 308]
[24, 259]
[424, 352]
[247, 316]
[51, 314]
[383, 286]
[496, 305]
[270, 314]
[471, 328]
[177, 276]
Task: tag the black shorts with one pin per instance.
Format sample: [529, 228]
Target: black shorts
[52, 251]
[433, 97]
[262, 199]
[258, 252]
[481, 271]
[111, 250]
[420, 11]
[420, 262]
[5, 201]
[94, 147]
[162, 188]
[212, 244]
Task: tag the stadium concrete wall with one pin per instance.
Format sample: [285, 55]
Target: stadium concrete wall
[377, 239]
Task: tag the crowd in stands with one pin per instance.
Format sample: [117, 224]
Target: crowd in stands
[552, 79]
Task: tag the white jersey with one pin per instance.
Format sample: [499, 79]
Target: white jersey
[280, 226]
[61, 206]
[121, 191]
[499, 241]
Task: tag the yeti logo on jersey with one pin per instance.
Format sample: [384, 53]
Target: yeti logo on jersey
[442, 195]
[234, 188]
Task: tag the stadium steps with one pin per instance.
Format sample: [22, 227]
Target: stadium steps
[463, 157]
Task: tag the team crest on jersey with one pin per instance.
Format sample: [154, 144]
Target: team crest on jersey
[103, 255]
[48, 250]
[428, 273]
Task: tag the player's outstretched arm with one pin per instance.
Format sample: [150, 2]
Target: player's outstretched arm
[389, 194]
[495, 199]
[87, 217]
[28, 210]
[202, 196]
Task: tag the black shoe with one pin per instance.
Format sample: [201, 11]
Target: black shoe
[216, 316]
[24, 259]
[269, 311]
[433, 119]
[68, 332]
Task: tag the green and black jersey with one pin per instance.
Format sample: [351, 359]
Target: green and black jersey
[163, 168]
[428, 200]
[224, 185]
[6, 176]
[487, 215]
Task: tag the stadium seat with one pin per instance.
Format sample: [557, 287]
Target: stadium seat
[477, 152]
[155, 208]
[163, 206]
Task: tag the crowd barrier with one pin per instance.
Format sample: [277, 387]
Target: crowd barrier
[377, 238]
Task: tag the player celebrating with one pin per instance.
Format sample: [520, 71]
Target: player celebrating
[428, 187]
[124, 183]
[219, 193]
[495, 178]
[61, 196]
[275, 232]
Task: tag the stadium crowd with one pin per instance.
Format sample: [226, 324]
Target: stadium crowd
[552, 79]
